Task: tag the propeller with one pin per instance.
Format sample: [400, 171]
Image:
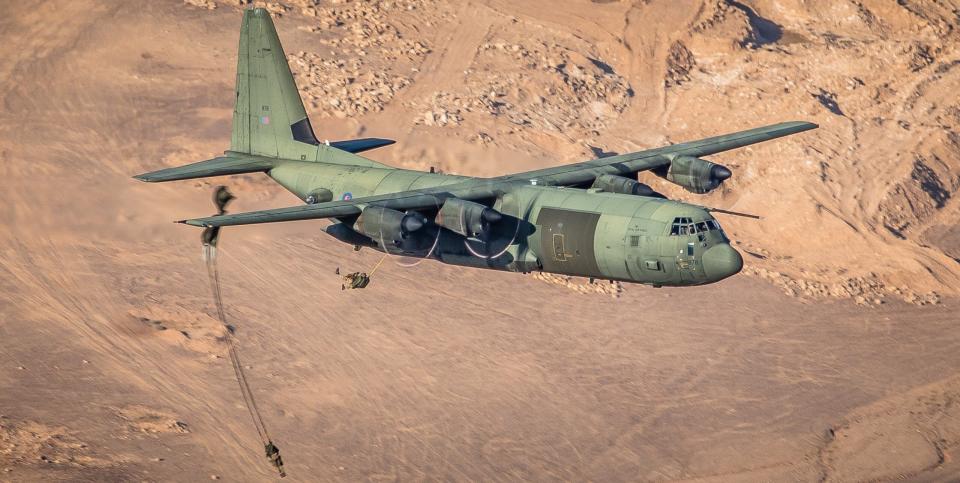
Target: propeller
[413, 223]
[491, 218]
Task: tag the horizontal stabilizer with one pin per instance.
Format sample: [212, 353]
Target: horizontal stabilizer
[361, 145]
[219, 166]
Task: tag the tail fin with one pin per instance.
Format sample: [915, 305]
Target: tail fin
[269, 122]
[269, 118]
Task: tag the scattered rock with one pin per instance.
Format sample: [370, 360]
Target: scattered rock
[147, 420]
[207, 4]
[582, 285]
[864, 291]
[920, 56]
[343, 88]
[483, 138]
[679, 64]
[28, 443]
[533, 84]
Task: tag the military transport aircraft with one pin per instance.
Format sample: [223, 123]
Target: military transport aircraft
[590, 219]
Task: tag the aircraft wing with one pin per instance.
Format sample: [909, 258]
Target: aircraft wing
[425, 199]
[320, 210]
[479, 189]
[630, 163]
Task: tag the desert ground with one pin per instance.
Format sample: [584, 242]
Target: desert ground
[834, 356]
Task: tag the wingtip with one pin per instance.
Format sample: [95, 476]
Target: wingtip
[806, 124]
[192, 222]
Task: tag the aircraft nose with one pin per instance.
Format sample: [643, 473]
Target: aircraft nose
[721, 261]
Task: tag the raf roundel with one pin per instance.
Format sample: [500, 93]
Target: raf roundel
[347, 196]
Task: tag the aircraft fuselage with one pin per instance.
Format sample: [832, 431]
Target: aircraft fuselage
[570, 231]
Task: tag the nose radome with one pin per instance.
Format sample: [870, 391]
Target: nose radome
[721, 261]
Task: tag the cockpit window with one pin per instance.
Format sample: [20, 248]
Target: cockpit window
[686, 226]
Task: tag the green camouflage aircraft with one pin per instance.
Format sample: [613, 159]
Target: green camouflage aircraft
[590, 219]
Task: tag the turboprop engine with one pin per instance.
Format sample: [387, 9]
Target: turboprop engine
[612, 183]
[466, 217]
[694, 174]
[392, 227]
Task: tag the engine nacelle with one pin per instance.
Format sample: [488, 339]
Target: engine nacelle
[612, 183]
[343, 232]
[466, 217]
[694, 174]
[386, 226]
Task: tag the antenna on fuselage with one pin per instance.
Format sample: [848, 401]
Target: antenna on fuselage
[734, 213]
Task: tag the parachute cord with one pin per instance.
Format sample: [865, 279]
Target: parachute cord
[273, 453]
[384, 257]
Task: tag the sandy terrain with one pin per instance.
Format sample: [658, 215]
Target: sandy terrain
[834, 357]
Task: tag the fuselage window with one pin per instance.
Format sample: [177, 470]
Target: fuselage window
[686, 226]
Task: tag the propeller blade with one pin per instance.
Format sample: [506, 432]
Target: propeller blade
[491, 216]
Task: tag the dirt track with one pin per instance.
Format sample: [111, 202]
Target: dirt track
[111, 367]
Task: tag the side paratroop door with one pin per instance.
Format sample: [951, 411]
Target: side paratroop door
[567, 239]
